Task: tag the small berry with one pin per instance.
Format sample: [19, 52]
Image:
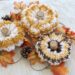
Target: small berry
[26, 50]
[6, 17]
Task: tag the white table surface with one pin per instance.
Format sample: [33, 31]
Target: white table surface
[66, 10]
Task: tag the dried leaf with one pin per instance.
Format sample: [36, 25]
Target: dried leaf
[15, 16]
[6, 58]
[60, 69]
[69, 33]
[26, 43]
[33, 58]
[66, 29]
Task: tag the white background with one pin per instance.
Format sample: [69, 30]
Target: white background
[66, 10]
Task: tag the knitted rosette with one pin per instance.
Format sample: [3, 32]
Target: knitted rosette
[39, 18]
[11, 35]
[53, 48]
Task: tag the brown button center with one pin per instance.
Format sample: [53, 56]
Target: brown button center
[5, 31]
[40, 15]
[54, 45]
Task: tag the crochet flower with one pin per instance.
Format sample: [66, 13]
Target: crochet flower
[38, 18]
[53, 48]
[6, 58]
[11, 35]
